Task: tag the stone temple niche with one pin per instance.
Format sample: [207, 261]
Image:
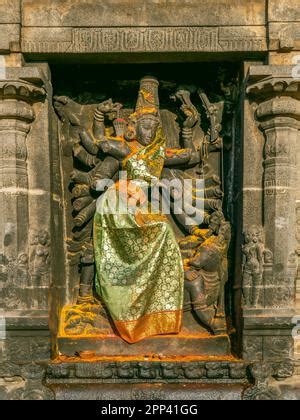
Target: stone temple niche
[182, 260]
[149, 199]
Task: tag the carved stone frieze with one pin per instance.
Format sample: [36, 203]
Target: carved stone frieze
[146, 39]
[130, 372]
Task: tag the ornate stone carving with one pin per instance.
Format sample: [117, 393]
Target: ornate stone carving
[20, 90]
[256, 260]
[278, 114]
[262, 390]
[22, 351]
[16, 116]
[279, 86]
[150, 39]
[206, 243]
[30, 388]
[280, 106]
[22, 379]
[19, 275]
[205, 280]
[154, 372]
[40, 257]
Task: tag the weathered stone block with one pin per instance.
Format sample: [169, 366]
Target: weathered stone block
[167, 345]
[284, 37]
[111, 13]
[24, 349]
[10, 11]
[278, 348]
[9, 37]
[284, 11]
[93, 27]
[253, 348]
[145, 392]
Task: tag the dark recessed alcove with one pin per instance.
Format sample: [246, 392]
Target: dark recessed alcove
[94, 83]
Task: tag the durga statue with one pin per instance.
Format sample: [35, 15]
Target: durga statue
[131, 260]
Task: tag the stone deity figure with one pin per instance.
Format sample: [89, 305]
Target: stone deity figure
[138, 262]
[41, 254]
[134, 273]
[253, 260]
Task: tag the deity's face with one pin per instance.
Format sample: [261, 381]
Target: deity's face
[259, 235]
[247, 237]
[23, 259]
[43, 238]
[146, 129]
[251, 236]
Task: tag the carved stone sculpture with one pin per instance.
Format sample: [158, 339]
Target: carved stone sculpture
[252, 266]
[40, 255]
[189, 272]
[257, 261]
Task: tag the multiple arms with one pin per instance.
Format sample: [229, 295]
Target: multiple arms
[96, 141]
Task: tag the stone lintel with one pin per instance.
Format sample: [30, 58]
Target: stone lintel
[145, 39]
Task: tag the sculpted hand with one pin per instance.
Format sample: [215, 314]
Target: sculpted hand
[192, 116]
[108, 106]
[136, 194]
[104, 146]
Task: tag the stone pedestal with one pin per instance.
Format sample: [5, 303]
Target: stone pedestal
[204, 345]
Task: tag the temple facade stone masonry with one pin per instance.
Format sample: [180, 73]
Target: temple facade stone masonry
[58, 60]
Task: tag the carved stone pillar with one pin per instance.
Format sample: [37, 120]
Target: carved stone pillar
[271, 249]
[17, 98]
[279, 122]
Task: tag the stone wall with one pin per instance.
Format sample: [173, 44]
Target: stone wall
[264, 35]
